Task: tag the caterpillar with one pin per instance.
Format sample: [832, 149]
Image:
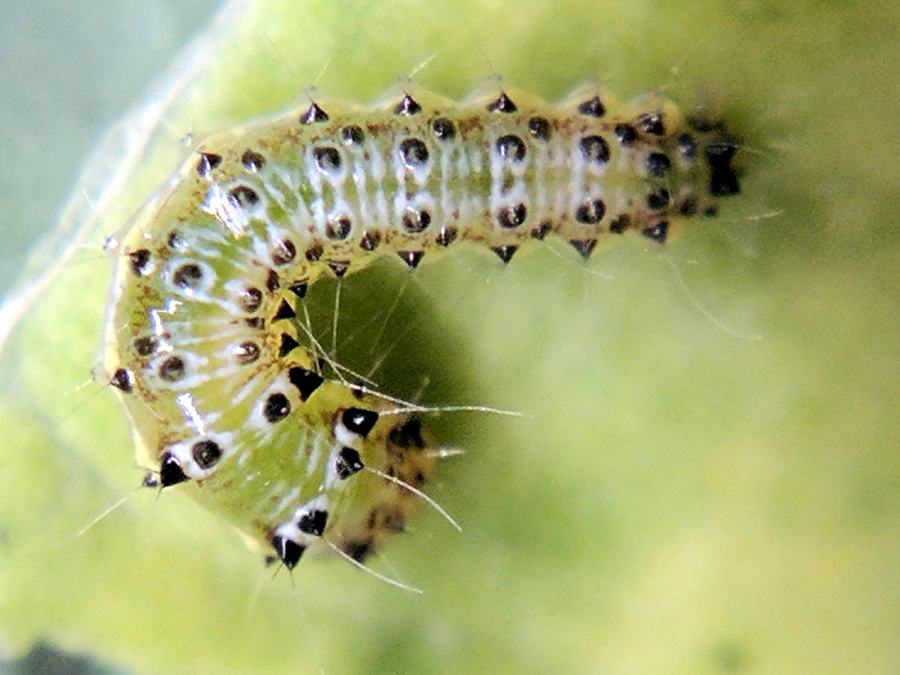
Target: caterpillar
[230, 397]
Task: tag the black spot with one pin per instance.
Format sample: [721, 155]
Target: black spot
[511, 147]
[313, 522]
[170, 472]
[658, 199]
[408, 434]
[687, 146]
[250, 299]
[252, 160]
[175, 240]
[539, 127]
[246, 352]
[590, 213]
[208, 162]
[348, 462]
[651, 123]
[188, 276]
[359, 421]
[445, 236]
[313, 115]
[243, 196]
[328, 159]
[269, 560]
[288, 552]
[512, 216]
[594, 149]
[688, 207]
[145, 346]
[172, 369]
[711, 211]
[503, 104]
[284, 252]
[593, 107]
[626, 134]
[352, 135]
[415, 221]
[256, 322]
[206, 454]
[338, 228]
[411, 258]
[273, 283]
[370, 240]
[276, 408]
[139, 260]
[413, 152]
[505, 253]
[443, 129]
[723, 180]
[288, 344]
[285, 311]
[305, 380]
[407, 106]
[620, 223]
[299, 288]
[150, 480]
[122, 380]
[359, 550]
[584, 246]
[658, 164]
[657, 232]
[313, 253]
[339, 267]
[541, 231]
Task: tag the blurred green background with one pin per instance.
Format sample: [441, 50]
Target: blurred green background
[680, 498]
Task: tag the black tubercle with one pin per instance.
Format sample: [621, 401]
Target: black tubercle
[305, 380]
[723, 180]
[252, 160]
[503, 104]
[505, 253]
[139, 260]
[445, 236]
[313, 522]
[348, 462]
[359, 421]
[299, 288]
[285, 311]
[339, 267]
[208, 161]
[651, 123]
[411, 258]
[313, 115]
[288, 552]
[584, 246]
[276, 408]
[407, 106]
[593, 107]
[206, 453]
[121, 380]
[539, 127]
[288, 344]
[170, 472]
[657, 232]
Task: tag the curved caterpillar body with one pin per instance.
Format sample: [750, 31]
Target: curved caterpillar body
[227, 394]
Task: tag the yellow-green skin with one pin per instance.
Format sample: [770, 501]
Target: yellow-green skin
[326, 189]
